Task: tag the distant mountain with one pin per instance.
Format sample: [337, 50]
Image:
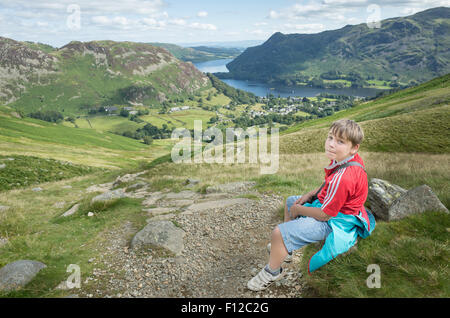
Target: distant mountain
[227, 44]
[84, 75]
[200, 53]
[415, 47]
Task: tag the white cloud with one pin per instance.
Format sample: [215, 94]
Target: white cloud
[202, 14]
[203, 26]
[178, 22]
[304, 28]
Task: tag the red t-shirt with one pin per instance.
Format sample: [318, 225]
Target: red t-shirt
[346, 190]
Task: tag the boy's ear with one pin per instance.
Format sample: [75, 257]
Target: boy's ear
[355, 148]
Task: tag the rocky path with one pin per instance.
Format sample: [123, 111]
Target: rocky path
[223, 245]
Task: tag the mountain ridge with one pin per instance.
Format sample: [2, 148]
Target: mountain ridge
[408, 48]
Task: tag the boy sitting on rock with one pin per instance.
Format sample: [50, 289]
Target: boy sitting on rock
[335, 211]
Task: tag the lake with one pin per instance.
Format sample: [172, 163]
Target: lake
[262, 89]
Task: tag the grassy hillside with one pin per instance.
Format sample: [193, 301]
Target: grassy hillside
[412, 120]
[81, 76]
[82, 146]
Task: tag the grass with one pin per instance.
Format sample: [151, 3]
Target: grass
[22, 171]
[412, 255]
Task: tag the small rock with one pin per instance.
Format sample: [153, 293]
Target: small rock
[36, 189]
[72, 210]
[110, 195]
[2, 166]
[18, 274]
[90, 214]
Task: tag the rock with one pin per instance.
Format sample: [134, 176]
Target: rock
[181, 195]
[417, 200]
[126, 178]
[241, 186]
[152, 199]
[100, 187]
[197, 207]
[3, 208]
[180, 203]
[138, 185]
[72, 210]
[162, 234]
[67, 187]
[36, 189]
[190, 183]
[2, 166]
[110, 195]
[18, 274]
[381, 196]
[157, 211]
[90, 214]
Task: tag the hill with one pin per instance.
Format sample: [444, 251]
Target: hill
[404, 50]
[86, 75]
[199, 53]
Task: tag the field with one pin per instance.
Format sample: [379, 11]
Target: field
[406, 143]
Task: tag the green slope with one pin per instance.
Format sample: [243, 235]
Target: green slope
[416, 119]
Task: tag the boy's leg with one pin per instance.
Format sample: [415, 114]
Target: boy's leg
[278, 251]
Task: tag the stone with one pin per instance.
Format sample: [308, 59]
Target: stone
[90, 214]
[36, 189]
[381, 196]
[138, 185]
[18, 274]
[181, 195]
[417, 200]
[158, 211]
[2, 166]
[198, 207]
[180, 203]
[161, 234]
[152, 199]
[105, 187]
[72, 210]
[127, 178]
[240, 186]
[110, 195]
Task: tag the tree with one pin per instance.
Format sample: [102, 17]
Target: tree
[148, 140]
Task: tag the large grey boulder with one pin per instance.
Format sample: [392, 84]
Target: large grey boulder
[161, 234]
[18, 274]
[381, 196]
[417, 200]
[110, 195]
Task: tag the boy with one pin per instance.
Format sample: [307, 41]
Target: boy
[335, 211]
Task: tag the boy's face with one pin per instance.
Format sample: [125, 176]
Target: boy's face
[338, 148]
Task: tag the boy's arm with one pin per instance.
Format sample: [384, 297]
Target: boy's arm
[316, 213]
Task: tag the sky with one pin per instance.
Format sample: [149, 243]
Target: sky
[190, 21]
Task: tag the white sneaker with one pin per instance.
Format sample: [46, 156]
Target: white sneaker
[263, 280]
[288, 258]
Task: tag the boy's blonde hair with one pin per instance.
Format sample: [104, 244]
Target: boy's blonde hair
[349, 130]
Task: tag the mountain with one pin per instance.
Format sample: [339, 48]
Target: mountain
[415, 47]
[200, 53]
[84, 75]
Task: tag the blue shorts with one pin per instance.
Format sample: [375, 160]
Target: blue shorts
[303, 230]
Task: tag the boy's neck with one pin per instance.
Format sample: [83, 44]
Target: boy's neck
[335, 164]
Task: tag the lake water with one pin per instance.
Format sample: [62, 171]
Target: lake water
[262, 89]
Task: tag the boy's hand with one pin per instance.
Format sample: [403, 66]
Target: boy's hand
[303, 199]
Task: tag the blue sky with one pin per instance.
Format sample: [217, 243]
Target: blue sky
[189, 21]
